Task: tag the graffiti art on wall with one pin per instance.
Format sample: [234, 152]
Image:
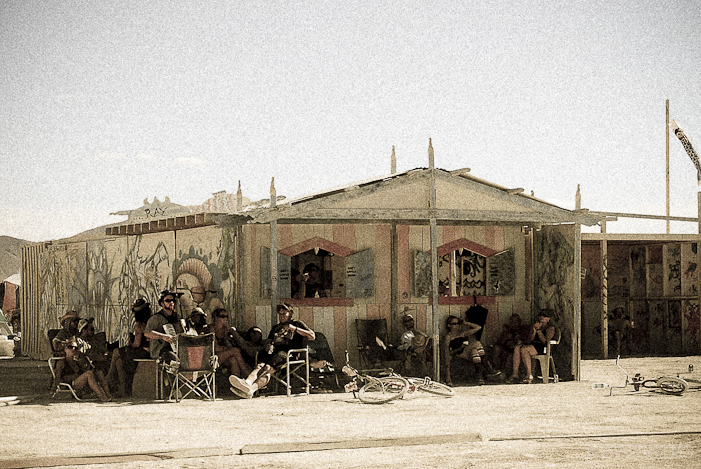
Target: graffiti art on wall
[195, 278]
[692, 328]
[554, 266]
[100, 283]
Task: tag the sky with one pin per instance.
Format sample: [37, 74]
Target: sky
[106, 104]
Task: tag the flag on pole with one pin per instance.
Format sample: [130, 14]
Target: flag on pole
[688, 147]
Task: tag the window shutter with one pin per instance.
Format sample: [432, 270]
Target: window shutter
[501, 274]
[265, 272]
[422, 273]
[360, 274]
[284, 283]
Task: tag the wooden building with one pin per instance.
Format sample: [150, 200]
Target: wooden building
[405, 241]
[654, 279]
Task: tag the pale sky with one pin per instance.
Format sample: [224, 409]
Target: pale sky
[108, 103]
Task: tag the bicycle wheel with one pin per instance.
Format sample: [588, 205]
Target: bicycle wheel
[381, 390]
[671, 385]
[427, 385]
[649, 383]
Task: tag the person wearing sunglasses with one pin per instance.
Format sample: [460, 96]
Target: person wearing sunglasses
[155, 331]
[461, 343]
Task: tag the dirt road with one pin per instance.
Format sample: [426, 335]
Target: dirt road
[567, 424]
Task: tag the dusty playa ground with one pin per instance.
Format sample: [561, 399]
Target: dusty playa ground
[568, 424]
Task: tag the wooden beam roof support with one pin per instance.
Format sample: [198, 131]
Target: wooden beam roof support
[274, 294]
[577, 339]
[434, 264]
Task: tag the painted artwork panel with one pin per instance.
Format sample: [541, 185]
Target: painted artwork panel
[638, 282]
[197, 272]
[658, 316]
[110, 295]
[691, 333]
[655, 274]
[672, 270]
[689, 271]
[640, 321]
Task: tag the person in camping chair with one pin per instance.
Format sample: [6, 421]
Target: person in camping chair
[287, 335]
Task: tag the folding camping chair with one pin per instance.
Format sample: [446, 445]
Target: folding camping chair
[296, 368]
[322, 366]
[194, 370]
[61, 386]
[373, 345]
[54, 365]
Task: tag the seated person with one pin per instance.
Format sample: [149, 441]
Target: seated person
[79, 372]
[228, 354]
[620, 329]
[123, 364]
[196, 323]
[412, 344]
[513, 333]
[69, 329]
[94, 345]
[159, 340]
[538, 336]
[308, 284]
[288, 334]
[251, 343]
[461, 343]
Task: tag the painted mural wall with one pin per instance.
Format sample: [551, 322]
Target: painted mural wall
[656, 285]
[102, 278]
[553, 252]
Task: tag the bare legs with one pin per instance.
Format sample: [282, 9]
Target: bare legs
[94, 380]
[523, 354]
[232, 359]
[117, 368]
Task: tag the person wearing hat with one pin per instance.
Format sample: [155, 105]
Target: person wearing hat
[69, 328]
[197, 322]
[80, 372]
[288, 334]
[123, 364]
[155, 331]
[250, 343]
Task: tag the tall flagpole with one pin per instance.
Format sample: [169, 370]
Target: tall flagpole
[666, 125]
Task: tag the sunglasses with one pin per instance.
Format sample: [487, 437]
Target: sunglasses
[453, 323]
[169, 300]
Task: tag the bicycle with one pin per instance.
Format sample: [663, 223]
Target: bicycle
[375, 390]
[674, 385]
[428, 385]
[378, 390]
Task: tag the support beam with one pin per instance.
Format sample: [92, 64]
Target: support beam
[273, 258]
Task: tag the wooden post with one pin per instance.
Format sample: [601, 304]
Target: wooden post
[698, 196]
[394, 161]
[434, 265]
[667, 133]
[577, 322]
[273, 258]
[604, 299]
[239, 263]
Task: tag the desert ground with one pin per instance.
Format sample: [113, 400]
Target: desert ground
[565, 424]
